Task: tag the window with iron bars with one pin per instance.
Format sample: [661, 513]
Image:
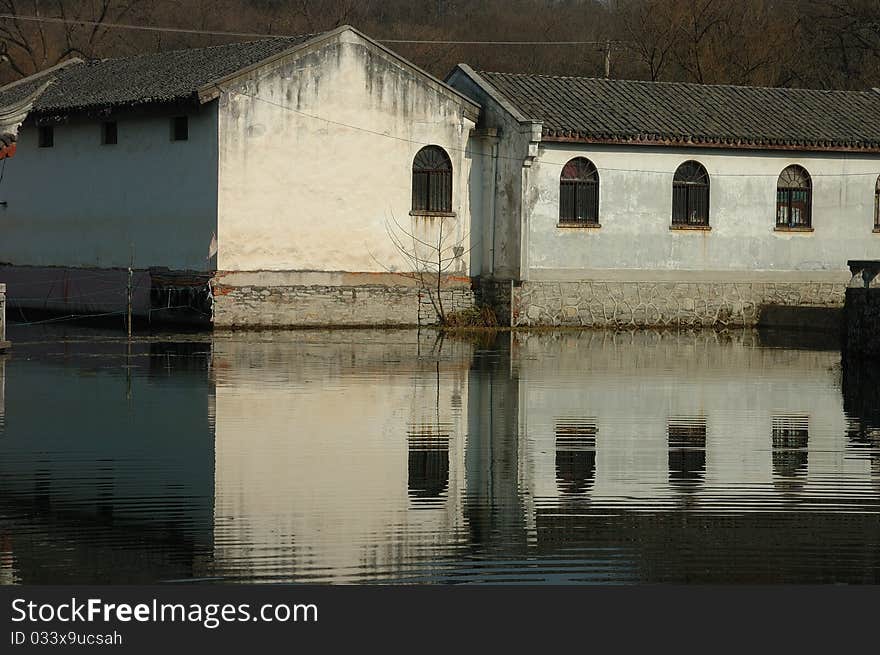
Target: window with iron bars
[432, 181]
[690, 195]
[794, 198]
[579, 193]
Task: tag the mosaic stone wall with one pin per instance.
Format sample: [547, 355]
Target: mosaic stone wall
[660, 304]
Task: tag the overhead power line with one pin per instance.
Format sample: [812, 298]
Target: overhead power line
[262, 35]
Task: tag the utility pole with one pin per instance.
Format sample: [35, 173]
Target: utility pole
[607, 59]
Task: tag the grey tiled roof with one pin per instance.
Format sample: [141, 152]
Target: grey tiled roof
[602, 110]
[142, 79]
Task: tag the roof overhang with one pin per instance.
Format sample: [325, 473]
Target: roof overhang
[661, 141]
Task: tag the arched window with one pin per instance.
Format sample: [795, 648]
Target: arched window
[690, 195]
[579, 193]
[877, 206]
[794, 198]
[432, 181]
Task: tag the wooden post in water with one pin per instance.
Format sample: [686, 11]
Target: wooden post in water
[129, 294]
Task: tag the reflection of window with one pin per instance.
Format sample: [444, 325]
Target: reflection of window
[791, 435]
[428, 463]
[575, 456]
[579, 192]
[690, 195]
[687, 448]
[432, 180]
[794, 198]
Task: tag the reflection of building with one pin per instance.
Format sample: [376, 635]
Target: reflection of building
[390, 456]
[687, 450]
[670, 411]
[106, 470]
[334, 457]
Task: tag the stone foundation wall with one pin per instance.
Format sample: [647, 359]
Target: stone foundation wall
[661, 304]
[495, 294]
[327, 305]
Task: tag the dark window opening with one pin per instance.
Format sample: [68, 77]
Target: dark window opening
[428, 464]
[579, 192]
[687, 449]
[791, 436]
[690, 195]
[794, 199]
[46, 136]
[432, 181]
[180, 128]
[108, 133]
[877, 205]
[575, 456]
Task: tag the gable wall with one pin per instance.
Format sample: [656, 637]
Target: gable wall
[316, 159]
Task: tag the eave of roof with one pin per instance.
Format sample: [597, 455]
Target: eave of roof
[719, 143]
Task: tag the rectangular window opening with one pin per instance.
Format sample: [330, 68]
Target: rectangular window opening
[109, 133]
[180, 128]
[46, 136]
[578, 202]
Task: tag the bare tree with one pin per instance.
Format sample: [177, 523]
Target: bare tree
[651, 32]
[32, 45]
[428, 263]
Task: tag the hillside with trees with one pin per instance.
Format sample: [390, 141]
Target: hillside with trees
[800, 43]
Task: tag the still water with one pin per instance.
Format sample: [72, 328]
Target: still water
[352, 457]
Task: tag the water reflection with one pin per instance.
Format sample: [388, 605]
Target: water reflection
[575, 456]
[791, 438]
[397, 456]
[687, 450]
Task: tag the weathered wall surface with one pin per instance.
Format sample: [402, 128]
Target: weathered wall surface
[502, 161]
[316, 154]
[146, 199]
[635, 209]
[273, 299]
[636, 271]
[646, 303]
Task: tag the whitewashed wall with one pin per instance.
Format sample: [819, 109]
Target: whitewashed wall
[316, 157]
[635, 208]
[83, 204]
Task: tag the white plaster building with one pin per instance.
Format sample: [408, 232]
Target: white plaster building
[323, 180]
[258, 183]
[638, 203]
